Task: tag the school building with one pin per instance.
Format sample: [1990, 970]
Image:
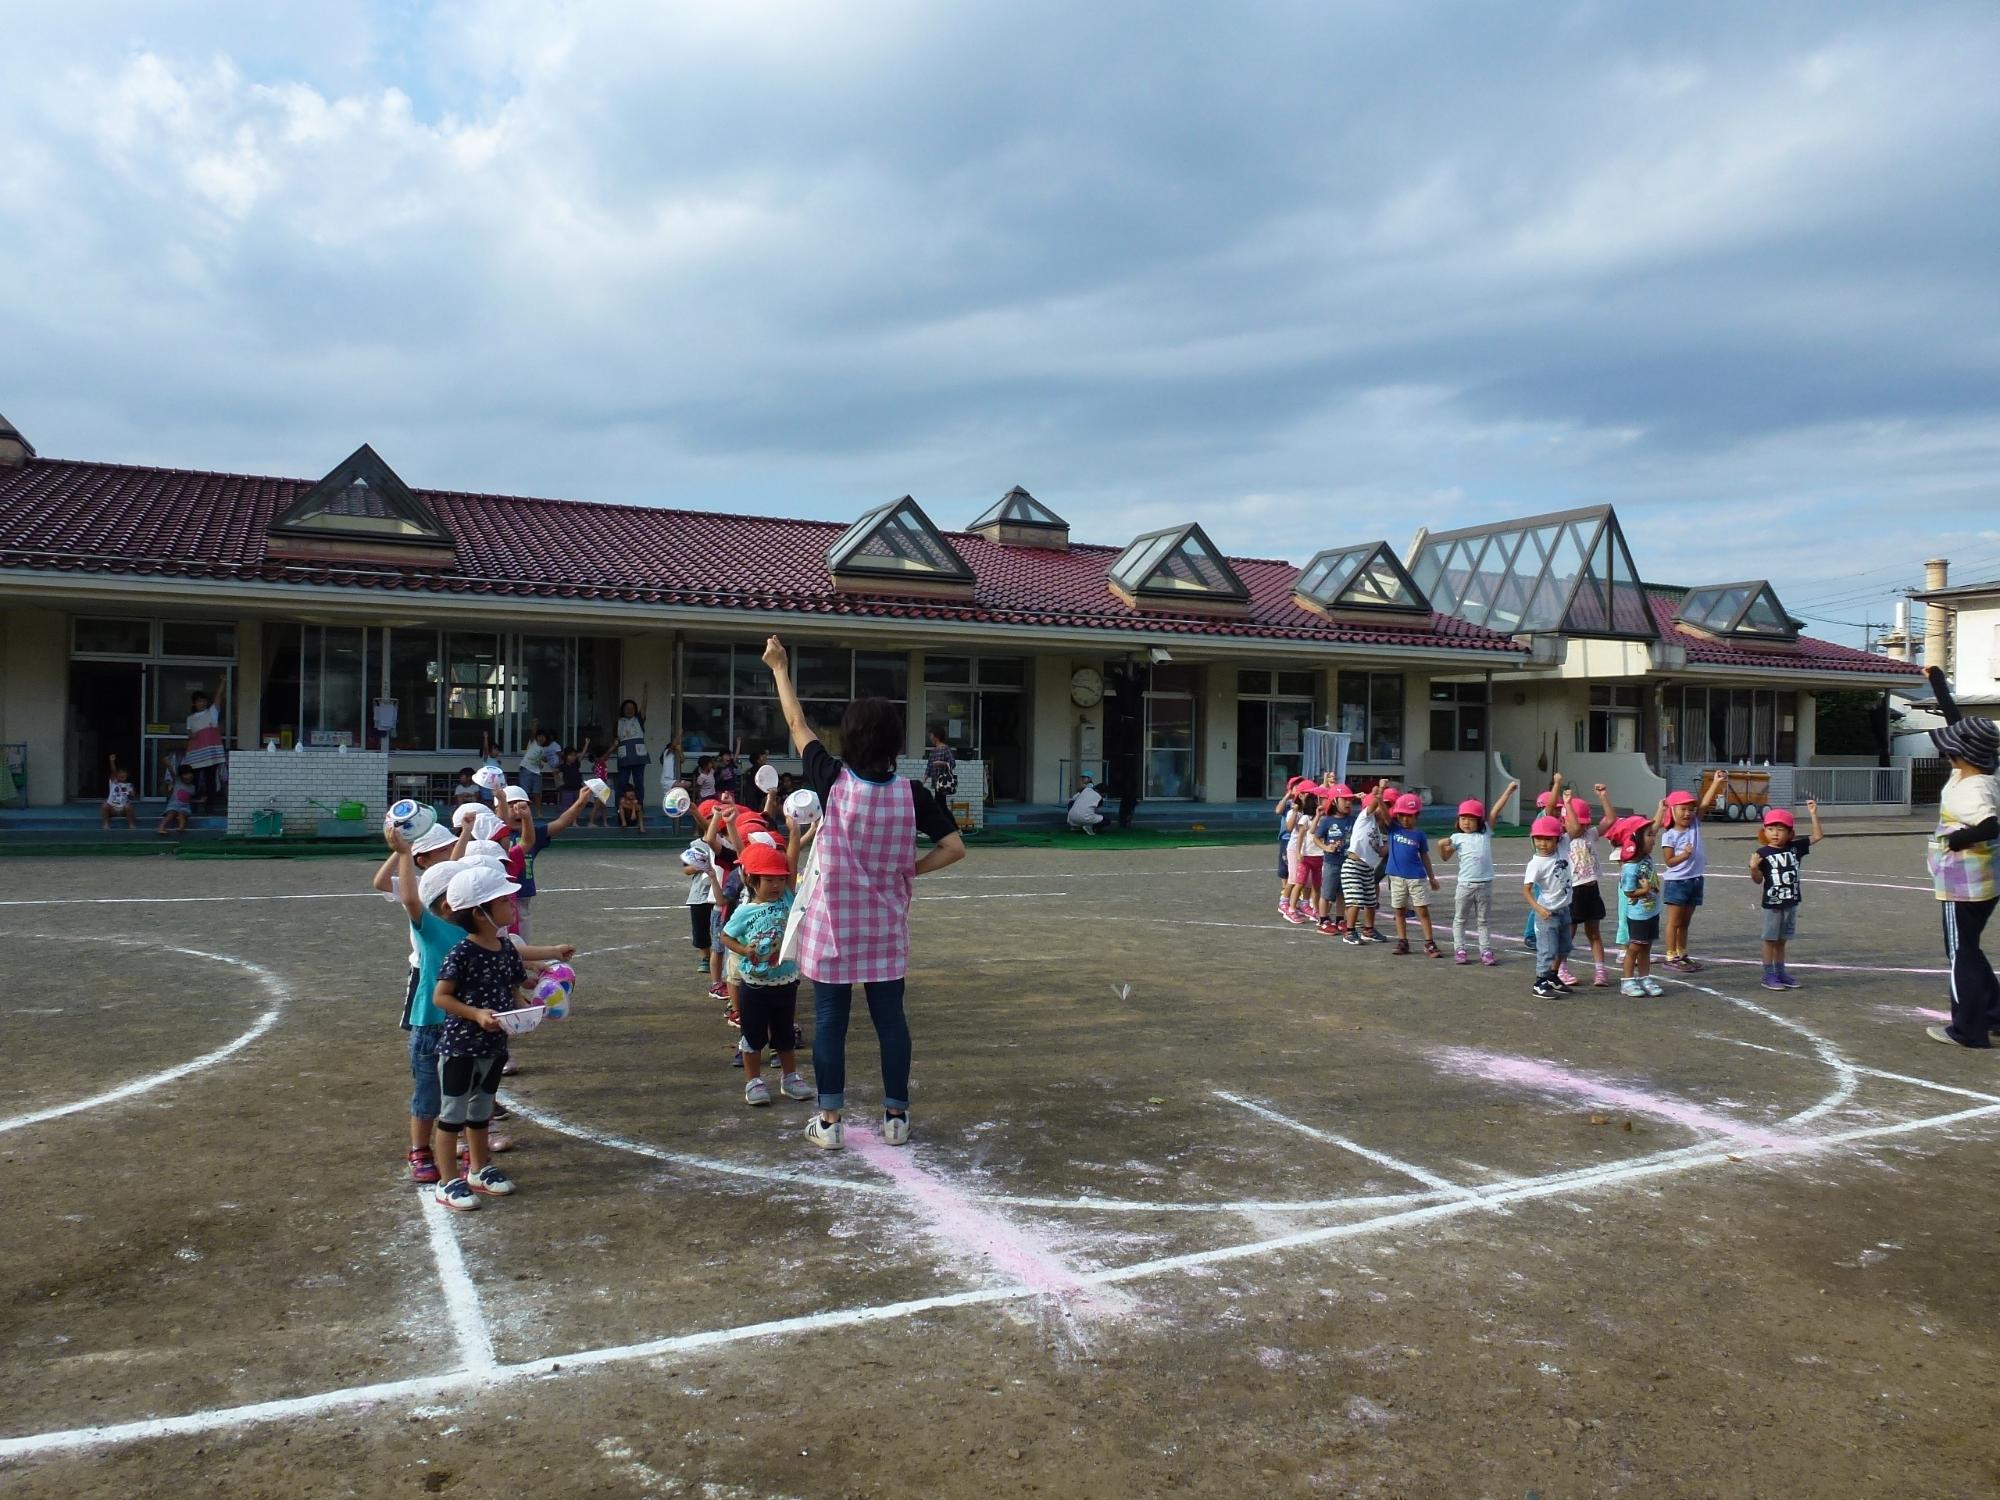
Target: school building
[358, 616]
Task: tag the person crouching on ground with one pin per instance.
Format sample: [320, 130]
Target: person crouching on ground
[767, 985]
[1775, 868]
[482, 976]
[1962, 873]
[1546, 885]
[1083, 813]
[1411, 878]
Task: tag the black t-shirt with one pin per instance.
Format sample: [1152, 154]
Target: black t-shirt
[1781, 874]
[934, 820]
[487, 978]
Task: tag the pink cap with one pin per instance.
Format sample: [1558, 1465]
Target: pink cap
[1778, 817]
[1340, 789]
[1472, 807]
[1409, 804]
[1541, 799]
[1681, 799]
[1388, 791]
[1546, 827]
[1581, 808]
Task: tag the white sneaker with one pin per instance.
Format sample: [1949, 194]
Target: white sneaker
[828, 1135]
[896, 1129]
[756, 1091]
[796, 1087]
[1652, 986]
[1633, 988]
[456, 1194]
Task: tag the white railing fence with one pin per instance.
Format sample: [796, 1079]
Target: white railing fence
[1831, 786]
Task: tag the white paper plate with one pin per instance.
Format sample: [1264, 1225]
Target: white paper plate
[516, 1022]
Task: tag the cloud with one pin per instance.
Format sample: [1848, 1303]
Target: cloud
[1370, 267]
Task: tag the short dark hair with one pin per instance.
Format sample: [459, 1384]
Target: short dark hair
[871, 732]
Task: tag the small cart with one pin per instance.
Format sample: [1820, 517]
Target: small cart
[1746, 795]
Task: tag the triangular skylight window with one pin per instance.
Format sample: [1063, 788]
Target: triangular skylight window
[362, 500]
[1019, 508]
[1179, 565]
[1747, 609]
[1367, 577]
[897, 542]
[1569, 573]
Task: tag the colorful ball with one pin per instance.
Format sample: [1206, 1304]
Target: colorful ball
[553, 995]
[411, 818]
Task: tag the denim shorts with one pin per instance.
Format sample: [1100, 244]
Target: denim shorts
[424, 1071]
[1781, 923]
[1681, 892]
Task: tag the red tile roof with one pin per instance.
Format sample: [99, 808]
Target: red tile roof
[1805, 655]
[71, 516]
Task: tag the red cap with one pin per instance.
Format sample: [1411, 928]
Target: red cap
[1472, 807]
[1778, 817]
[1546, 827]
[1681, 799]
[707, 809]
[762, 859]
[1340, 789]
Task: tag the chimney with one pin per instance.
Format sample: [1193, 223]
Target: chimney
[15, 450]
[1937, 618]
[1899, 639]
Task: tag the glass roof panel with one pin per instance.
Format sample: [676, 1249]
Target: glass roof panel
[1327, 574]
[1388, 587]
[1570, 572]
[362, 497]
[1180, 561]
[894, 540]
[1018, 508]
[1763, 616]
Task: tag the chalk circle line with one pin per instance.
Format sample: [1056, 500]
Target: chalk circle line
[278, 989]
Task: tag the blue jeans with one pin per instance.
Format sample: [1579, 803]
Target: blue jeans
[424, 1097]
[1552, 942]
[832, 1004]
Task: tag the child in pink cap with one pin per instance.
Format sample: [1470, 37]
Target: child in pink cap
[1411, 878]
[1684, 863]
[1775, 867]
[1472, 895]
[1586, 904]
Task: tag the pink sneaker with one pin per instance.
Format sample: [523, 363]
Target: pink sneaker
[1488, 957]
[1601, 981]
[1461, 957]
[1563, 974]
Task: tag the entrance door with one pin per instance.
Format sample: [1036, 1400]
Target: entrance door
[1002, 745]
[1170, 745]
[104, 720]
[1252, 745]
[170, 690]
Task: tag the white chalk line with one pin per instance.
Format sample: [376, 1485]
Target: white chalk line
[280, 993]
[1845, 1074]
[1868, 1072]
[1380, 1158]
[1498, 1197]
[364, 895]
[818, 1178]
[461, 1297]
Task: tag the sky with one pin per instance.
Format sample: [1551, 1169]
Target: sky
[1308, 274]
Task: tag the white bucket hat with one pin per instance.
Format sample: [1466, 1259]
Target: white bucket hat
[475, 885]
[517, 794]
[436, 880]
[440, 837]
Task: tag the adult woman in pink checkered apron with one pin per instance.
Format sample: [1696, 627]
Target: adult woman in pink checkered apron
[854, 922]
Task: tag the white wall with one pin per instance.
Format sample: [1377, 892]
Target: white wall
[1975, 663]
[292, 781]
[1215, 762]
[34, 695]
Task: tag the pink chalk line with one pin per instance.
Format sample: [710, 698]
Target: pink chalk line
[1526, 1072]
[1921, 1012]
[956, 1219]
[1837, 968]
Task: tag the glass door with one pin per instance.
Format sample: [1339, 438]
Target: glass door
[1286, 741]
[1002, 741]
[1170, 746]
[169, 692]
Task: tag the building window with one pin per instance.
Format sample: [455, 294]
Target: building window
[1734, 725]
[979, 705]
[111, 637]
[728, 701]
[414, 674]
[474, 692]
[1458, 716]
[1614, 719]
[198, 638]
[1371, 713]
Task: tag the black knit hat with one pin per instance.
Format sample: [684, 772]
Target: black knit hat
[1974, 741]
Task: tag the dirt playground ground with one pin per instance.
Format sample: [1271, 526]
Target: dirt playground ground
[1197, 1202]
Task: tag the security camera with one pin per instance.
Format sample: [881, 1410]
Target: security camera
[1159, 654]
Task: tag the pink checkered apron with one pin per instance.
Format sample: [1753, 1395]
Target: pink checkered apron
[856, 926]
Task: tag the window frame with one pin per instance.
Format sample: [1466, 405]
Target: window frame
[1371, 709]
